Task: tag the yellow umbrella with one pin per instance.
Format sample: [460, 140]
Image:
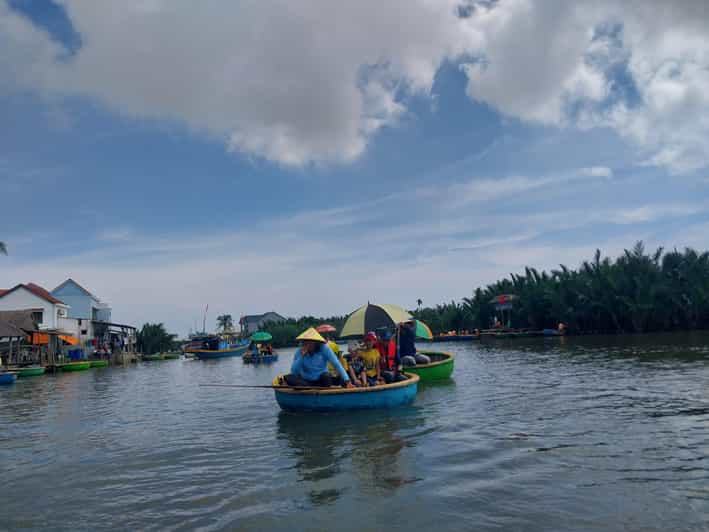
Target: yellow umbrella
[370, 317]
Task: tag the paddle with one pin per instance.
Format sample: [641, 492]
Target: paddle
[269, 386]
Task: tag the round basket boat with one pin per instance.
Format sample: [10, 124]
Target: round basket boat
[171, 356]
[258, 359]
[99, 363]
[29, 371]
[76, 366]
[329, 399]
[8, 377]
[440, 368]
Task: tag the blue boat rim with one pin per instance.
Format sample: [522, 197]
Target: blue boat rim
[412, 379]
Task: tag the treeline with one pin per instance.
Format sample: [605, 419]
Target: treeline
[153, 338]
[284, 333]
[636, 292]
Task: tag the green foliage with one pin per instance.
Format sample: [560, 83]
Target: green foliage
[225, 323]
[284, 333]
[153, 338]
[637, 292]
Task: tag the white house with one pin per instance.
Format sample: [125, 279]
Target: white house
[47, 311]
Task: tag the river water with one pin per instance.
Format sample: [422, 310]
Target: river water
[549, 434]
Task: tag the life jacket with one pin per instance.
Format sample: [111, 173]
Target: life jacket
[387, 350]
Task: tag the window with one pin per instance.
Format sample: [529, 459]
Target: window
[38, 316]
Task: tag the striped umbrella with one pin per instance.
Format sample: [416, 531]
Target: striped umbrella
[370, 317]
[423, 330]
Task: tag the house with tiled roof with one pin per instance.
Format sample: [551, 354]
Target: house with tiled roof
[47, 310]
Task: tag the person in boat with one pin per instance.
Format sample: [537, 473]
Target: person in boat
[334, 375]
[370, 357]
[407, 340]
[310, 361]
[388, 357]
[357, 370]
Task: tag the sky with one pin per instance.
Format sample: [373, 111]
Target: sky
[307, 157]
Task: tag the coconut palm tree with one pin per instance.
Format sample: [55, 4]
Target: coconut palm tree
[225, 322]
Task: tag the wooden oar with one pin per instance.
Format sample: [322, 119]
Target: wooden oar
[269, 386]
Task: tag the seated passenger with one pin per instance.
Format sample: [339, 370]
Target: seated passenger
[309, 366]
[370, 356]
[358, 373]
[343, 361]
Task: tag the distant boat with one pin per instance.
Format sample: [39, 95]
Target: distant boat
[8, 377]
[28, 371]
[258, 358]
[75, 366]
[216, 347]
[456, 337]
[337, 398]
[153, 358]
[171, 356]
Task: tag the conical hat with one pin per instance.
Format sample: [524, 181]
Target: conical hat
[311, 334]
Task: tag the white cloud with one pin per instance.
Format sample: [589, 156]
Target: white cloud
[313, 81]
[291, 82]
[597, 171]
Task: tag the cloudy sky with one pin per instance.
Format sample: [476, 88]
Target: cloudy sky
[308, 156]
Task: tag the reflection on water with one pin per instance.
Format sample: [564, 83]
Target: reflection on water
[590, 433]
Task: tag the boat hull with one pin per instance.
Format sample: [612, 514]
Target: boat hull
[206, 354]
[152, 358]
[435, 371]
[332, 399]
[259, 359]
[7, 378]
[99, 363]
[30, 372]
[76, 366]
[171, 356]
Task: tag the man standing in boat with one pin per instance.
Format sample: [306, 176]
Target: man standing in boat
[310, 361]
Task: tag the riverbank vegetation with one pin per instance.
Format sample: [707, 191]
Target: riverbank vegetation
[636, 292]
[153, 338]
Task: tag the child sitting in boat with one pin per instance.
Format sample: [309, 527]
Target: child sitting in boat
[357, 371]
[370, 357]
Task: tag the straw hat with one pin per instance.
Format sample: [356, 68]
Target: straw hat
[312, 335]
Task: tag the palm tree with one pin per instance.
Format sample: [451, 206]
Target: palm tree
[3, 248]
[225, 322]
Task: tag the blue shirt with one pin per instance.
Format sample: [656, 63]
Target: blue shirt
[310, 367]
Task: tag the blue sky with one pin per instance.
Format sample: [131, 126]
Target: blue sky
[306, 158]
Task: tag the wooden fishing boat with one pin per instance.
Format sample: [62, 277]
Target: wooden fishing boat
[441, 366]
[259, 358]
[80, 365]
[223, 351]
[8, 377]
[171, 356]
[330, 399]
[99, 363]
[29, 371]
[153, 358]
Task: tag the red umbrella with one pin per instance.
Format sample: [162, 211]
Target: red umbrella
[325, 328]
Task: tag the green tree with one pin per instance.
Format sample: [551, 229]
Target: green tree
[225, 323]
[153, 338]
